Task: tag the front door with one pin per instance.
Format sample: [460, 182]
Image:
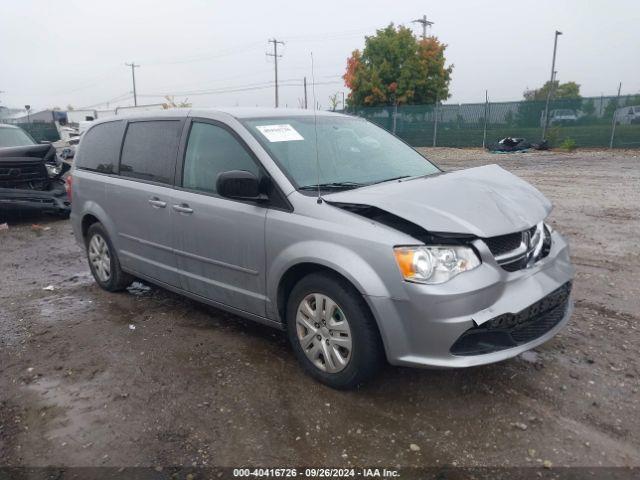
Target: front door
[220, 246]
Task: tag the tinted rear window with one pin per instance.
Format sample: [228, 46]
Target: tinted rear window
[150, 149]
[100, 147]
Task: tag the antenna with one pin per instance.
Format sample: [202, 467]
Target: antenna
[315, 126]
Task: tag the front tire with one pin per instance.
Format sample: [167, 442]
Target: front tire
[332, 331]
[103, 260]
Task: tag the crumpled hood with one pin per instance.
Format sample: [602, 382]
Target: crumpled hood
[483, 201]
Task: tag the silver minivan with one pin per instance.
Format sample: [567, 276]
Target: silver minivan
[325, 226]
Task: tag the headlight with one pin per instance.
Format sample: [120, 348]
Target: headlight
[52, 170]
[434, 264]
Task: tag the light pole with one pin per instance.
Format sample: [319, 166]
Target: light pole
[133, 76]
[553, 71]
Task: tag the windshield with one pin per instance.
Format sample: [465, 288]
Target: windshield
[14, 137]
[351, 151]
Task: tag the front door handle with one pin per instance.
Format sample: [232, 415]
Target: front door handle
[183, 208]
[157, 203]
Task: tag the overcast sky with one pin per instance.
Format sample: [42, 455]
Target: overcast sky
[55, 53]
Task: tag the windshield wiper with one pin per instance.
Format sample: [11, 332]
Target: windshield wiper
[389, 179]
[332, 186]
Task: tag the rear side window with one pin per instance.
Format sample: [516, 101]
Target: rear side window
[212, 150]
[100, 147]
[150, 149]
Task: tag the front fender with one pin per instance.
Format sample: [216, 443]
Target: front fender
[342, 260]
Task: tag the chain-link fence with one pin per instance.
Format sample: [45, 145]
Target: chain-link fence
[589, 122]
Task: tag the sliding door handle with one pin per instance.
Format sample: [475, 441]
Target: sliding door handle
[157, 203]
[183, 208]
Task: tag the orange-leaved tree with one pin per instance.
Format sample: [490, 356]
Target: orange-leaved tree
[396, 67]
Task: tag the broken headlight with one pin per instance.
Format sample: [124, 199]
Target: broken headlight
[53, 170]
[434, 264]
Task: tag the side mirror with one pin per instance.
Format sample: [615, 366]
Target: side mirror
[240, 185]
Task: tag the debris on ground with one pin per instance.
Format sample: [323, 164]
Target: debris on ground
[510, 144]
[519, 425]
[543, 145]
[49, 288]
[138, 288]
[530, 356]
[414, 448]
[132, 326]
[37, 227]
[4, 226]
[516, 144]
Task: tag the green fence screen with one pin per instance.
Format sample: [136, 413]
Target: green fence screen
[588, 121]
[41, 131]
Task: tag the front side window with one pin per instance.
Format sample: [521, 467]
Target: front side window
[150, 149]
[351, 151]
[212, 150]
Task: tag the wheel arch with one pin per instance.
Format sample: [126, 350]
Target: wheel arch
[93, 213]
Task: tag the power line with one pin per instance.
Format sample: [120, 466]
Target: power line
[121, 97]
[203, 58]
[275, 59]
[262, 86]
[133, 75]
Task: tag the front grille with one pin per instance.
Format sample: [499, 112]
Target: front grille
[504, 243]
[12, 176]
[511, 330]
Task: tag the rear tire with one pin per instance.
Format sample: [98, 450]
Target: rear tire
[332, 331]
[103, 260]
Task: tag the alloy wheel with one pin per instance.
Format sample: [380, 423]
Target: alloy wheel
[100, 257]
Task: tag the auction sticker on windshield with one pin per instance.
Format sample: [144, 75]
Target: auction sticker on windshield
[280, 133]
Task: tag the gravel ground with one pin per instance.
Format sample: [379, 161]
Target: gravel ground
[149, 378]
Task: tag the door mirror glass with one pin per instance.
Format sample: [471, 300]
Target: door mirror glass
[239, 185]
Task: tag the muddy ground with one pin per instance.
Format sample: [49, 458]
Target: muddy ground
[191, 385]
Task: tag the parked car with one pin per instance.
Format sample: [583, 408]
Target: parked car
[31, 176]
[628, 115]
[562, 116]
[327, 227]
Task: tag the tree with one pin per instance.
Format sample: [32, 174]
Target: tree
[564, 95]
[611, 107]
[588, 107]
[632, 100]
[396, 67]
[334, 101]
[561, 91]
[171, 103]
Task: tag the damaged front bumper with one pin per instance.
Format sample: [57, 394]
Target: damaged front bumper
[54, 200]
[484, 316]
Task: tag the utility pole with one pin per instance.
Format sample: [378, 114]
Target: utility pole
[613, 125]
[425, 23]
[133, 75]
[305, 93]
[275, 59]
[553, 73]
